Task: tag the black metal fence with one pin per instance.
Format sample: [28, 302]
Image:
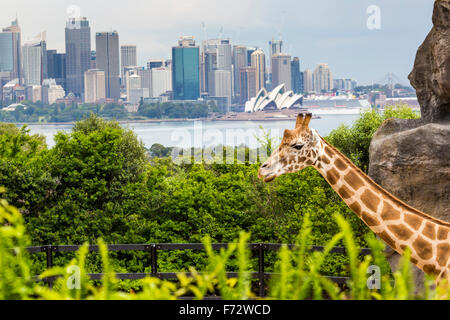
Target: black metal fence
[258, 250]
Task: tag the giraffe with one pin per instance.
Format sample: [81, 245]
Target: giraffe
[399, 225]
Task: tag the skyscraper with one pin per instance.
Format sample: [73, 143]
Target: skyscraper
[11, 51]
[248, 84]
[34, 53]
[217, 54]
[276, 47]
[56, 65]
[128, 58]
[323, 78]
[259, 63]
[185, 70]
[107, 49]
[78, 54]
[161, 81]
[239, 62]
[94, 83]
[307, 81]
[249, 55]
[220, 86]
[281, 70]
[296, 76]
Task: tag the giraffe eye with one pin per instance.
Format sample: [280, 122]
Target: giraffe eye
[298, 146]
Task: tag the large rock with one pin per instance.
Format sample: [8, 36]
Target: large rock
[414, 164]
[431, 74]
[411, 158]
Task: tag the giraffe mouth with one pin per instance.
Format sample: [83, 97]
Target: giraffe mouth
[270, 178]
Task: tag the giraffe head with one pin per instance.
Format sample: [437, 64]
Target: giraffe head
[299, 149]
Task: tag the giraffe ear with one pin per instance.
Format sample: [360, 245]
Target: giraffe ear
[300, 120]
[307, 120]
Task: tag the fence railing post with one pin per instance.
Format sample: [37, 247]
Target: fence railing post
[49, 255]
[261, 274]
[154, 261]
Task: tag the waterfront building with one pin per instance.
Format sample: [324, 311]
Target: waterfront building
[34, 53]
[11, 53]
[128, 58]
[322, 78]
[239, 62]
[248, 84]
[161, 81]
[277, 99]
[307, 81]
[95, 85]
[259, 63]
[56, 67]
[107, 59]
[78, 54]
[51, 91]
[296, 76]
[185, 70]
[281, 70]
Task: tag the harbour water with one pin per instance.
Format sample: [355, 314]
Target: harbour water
[208, 133]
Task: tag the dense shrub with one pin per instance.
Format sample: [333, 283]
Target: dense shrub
[97, 182]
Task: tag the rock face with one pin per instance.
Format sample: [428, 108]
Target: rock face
[411, 158]
[431, 74]
[414, 165]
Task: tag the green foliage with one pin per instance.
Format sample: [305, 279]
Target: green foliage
[98, 182]
[298, 270]
[39, 112]
[355, 141]
[170, 110]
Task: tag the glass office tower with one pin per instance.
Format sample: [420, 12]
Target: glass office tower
[185, 70]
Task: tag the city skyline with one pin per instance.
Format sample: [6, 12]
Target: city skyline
[343, 40]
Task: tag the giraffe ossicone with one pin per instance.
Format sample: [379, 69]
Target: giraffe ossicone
[399, 225]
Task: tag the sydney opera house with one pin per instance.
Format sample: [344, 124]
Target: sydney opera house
[277, 99]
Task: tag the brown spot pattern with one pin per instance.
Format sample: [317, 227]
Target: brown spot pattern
[430, 269]
[356, 208]
[386, 238]
[345, 192]
[423, 248]
[325, 160]
[442, 233]
[413, 221]
[370, 220]
[340, 164]
[370, 200]
[329, 152]
[429, 231]
[389, 213]
[354, 181]
[401, 232]
[333, 176]
[443, 254]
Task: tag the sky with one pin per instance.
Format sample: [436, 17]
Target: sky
[319, 31]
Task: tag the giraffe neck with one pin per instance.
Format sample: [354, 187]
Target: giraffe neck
[395, 222]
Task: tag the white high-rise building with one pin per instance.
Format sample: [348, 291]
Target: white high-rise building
[308, 80]
[323, 78]
[34, 55]
[51, 91]
[128, 58]
[217, 54]
[94, 86]
[161, 81]
[222, 84]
